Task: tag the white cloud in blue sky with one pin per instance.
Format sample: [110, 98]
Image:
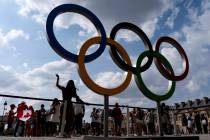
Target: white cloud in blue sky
[28, 64]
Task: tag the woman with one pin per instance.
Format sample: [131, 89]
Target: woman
[68, 93]
[54, 116]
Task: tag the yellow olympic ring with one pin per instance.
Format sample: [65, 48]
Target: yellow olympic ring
[88, 81]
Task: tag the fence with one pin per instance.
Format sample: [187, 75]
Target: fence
[128, 125]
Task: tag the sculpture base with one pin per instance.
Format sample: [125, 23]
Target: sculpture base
[144, 138]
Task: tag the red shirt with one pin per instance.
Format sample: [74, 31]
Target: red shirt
[117, 114]
[20, 109]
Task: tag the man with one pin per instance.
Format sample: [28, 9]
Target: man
[198, 123]
[41, 118]
[21, 107]
[118, 117]
[11, 116]
[94, 118]
[150, 122]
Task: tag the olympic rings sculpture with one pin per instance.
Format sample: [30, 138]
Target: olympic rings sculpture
[118, 54]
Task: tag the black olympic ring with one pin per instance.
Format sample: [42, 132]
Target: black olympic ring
[113, 51]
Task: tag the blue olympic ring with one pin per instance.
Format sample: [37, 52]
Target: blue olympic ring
[58, 48]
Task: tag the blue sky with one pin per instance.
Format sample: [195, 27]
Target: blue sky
[28, 64]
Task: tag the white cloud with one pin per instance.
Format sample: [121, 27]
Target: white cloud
[144, 14]
[150, 26]
[81, 33]
[38, 80]
[192, 86]
[197, 40]
[7, 37]
[170, 20]
[109, 79]
[194, 37]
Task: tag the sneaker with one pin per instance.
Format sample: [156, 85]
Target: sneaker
[61, 135]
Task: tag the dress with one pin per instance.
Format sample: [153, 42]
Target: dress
[67, 95]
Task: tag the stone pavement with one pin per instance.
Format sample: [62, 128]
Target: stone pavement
[202, 137]
[39, 138]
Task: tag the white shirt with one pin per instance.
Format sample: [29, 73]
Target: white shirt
[93, 119]
[56, 116]
[78, 108]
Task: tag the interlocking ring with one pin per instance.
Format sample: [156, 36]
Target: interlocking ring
[143, 87]
[165, 72]
[57, 47]
[113, 51]
[84, 75]
[118, 54]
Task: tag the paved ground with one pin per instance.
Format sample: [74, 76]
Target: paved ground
[202, 137]
[39, 138]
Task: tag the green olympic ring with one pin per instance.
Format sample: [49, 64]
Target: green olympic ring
[139, 81]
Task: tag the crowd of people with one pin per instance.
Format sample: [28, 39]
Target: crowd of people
[44, 122]
[23, 120]
[193, 124]
[141, 122]
[47, 122]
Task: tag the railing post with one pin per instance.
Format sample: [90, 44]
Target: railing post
[106, 115]
[174, 122]
[127, 121]
[159, 118]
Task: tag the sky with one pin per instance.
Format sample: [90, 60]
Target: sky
[28, 64]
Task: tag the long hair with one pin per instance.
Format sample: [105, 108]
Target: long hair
[70, 86]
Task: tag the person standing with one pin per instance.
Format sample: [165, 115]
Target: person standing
[79, 110]
[118, 117]
[30, 123]
[198, 123]
[11, 116]
[139, 121]
[204, 122]
[68, 93]
[54, 117]
[150, 122]
[93, 121]
[20, 124]
[190, 123]
[98, 122]
[42, 120]
[184, 124]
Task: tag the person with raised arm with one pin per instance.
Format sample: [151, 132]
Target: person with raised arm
[68, 93]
